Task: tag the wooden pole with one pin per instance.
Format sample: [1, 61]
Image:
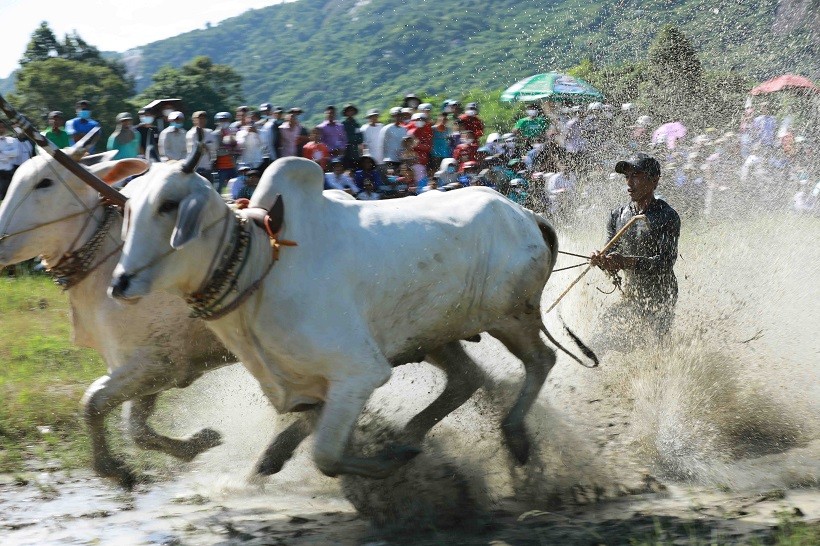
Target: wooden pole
[69, 163]
[606, 247]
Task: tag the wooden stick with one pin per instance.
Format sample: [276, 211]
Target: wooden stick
[606, 247]
[69, 163]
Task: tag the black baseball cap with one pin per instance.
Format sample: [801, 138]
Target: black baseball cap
[640, 163]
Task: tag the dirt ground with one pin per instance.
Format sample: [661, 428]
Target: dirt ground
[712, 438]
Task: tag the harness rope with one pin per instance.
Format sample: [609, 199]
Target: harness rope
[74, 266]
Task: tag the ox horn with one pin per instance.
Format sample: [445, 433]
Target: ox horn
[82, 146]
[196, 153]
[66, 161]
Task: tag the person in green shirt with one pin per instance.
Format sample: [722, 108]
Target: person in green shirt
[55, 133]
[125, 140]
[533, 125]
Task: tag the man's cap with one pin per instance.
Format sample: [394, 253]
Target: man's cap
[484, 150]
[406, 110]
[493, 137]
[517, 182]
[426, 107]
[472, 106]
[295, 110]
[278, 110]
[265, 106]
[176, 114]
[395, 111]
[350, 107]
[640, 163]
[222, 115]
[253, 172]
[418, 115]
[122, 116]
[82, 102]
[55, 114]
[243, 167]
[243, 108]
[372, 112]
[199, 114]
[470, 164]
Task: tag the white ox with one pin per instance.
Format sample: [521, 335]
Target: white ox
[148, 348]
[371, 285]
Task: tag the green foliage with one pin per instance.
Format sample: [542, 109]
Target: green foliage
[201, 84]
[57, 83]
[42, 376]
[53, 75]
[313, 52]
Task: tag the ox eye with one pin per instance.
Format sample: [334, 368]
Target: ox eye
[43, 184]
[168, 206]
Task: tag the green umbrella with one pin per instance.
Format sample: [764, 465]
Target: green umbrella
[551, 86]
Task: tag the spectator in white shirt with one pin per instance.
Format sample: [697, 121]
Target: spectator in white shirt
[390, 139]
[8, 154]
[250, 143]
[172, 145]
[371, 132]
[338, 179]
[206, 162]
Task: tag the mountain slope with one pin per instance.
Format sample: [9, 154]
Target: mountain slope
[312, 52]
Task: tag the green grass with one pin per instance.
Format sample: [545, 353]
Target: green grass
[42, 376]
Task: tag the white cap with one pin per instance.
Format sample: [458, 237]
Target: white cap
[406, 110]
[594, 106]
[426, 106]
[644, 121]
[176, 114]
[493, 137]
[626, 107]
[419, 115]
[395, 111]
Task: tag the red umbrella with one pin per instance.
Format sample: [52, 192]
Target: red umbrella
[786, 81]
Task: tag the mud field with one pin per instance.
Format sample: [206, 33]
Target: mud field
[711, 439]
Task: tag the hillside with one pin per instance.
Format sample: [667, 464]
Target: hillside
[312, 52]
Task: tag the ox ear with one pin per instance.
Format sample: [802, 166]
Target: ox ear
[112, 172]
[189, 218]
[94, 159]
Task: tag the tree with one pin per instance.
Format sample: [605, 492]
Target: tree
[201, 84]
[56, 84]
[673, 57]
[54, 75]
[42, 46]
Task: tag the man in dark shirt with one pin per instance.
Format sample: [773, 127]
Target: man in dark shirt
[647, 252]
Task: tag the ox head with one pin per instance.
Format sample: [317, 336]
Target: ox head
[165, 245]
[44, 193]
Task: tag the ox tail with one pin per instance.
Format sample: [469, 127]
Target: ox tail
[550, 237]
[589, 353]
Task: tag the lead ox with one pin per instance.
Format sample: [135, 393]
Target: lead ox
[371, 285]
[149, 347]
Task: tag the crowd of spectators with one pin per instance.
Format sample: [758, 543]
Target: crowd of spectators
[541, 160]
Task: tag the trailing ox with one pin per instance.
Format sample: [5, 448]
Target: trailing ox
[148, 348]
[370, 286]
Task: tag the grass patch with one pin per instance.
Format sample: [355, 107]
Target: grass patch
[42, 376]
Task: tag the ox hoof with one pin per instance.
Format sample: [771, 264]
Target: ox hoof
[392, 458]
[118, 472]
[200, 442]
[517, 443]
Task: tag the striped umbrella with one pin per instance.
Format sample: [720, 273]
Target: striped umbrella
[551, 86]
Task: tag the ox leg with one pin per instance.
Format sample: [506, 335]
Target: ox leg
[147, 438]
[344, 403]
[525, 343]
[105, 394]
[285, 443]
[464, 377]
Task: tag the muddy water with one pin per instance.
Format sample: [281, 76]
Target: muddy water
[713, 436]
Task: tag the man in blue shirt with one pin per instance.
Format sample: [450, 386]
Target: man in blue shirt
[78, 127]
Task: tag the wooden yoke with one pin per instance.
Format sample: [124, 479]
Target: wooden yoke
[108, 193]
